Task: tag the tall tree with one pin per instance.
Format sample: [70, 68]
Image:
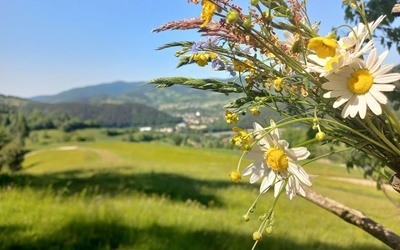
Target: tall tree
[13, 130]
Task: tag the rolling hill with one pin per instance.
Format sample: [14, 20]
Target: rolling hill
[176, 100]
[84, 94]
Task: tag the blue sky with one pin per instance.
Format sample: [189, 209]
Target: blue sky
[50, 46]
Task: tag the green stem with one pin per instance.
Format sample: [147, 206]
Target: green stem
[396, 151]
[325, 155]
[366, 138]
[392, 118]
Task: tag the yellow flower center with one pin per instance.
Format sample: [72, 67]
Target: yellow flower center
[277, 159]
[360, 82]
[329, 64]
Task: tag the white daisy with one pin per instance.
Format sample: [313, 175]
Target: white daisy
[290, 39]
[290, 43]
[275, 161]
[359, 33]
[360, 85]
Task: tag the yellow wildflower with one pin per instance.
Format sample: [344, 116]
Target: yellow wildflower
[242, 138]
[238, 65]
[278, 84]
[323, 46]
[231, 117]
[201, 59]
[208, 12]
[211, 55]
[242, 66]
[255, 111]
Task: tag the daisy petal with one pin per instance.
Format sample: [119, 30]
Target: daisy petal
[387, 78]
[383, 70]
[256, 176]
[342, 99]
[381, 98]
[383, 87]
[277, 188]
[337, 78]
[356, 105]
[268, 181]
[362, 104]
[378, 62]
[299, 153]
[334, 85]
[300, 189]
[299, 172]
[336, 93]
[373, 104]
[275, 132]
[346, 110]
[371, 60]
[253, 167]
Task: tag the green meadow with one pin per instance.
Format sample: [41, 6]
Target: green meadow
[120, 195]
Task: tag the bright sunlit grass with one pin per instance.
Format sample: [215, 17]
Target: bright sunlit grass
[113, 195]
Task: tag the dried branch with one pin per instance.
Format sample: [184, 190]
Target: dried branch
[356, 218]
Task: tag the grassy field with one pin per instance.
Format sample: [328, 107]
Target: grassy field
[117, 195]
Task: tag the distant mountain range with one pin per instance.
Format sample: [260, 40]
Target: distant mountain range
[85, 94]
[123, 104]
[173, 100]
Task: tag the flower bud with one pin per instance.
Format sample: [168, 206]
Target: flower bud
[247, 23]
[255, 111]
[232, 16]
[257, 235]
[246, 217]
[254, 2]
[320, 136]
[235, 176]
[246, 147]
[268, 230]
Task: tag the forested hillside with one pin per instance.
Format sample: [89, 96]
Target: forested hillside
[43, 115]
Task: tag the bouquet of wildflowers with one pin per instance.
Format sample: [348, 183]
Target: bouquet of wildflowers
[278, 60]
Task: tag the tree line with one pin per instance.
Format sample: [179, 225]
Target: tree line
[72, 116]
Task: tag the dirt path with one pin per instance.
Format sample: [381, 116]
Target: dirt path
[363, 182]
